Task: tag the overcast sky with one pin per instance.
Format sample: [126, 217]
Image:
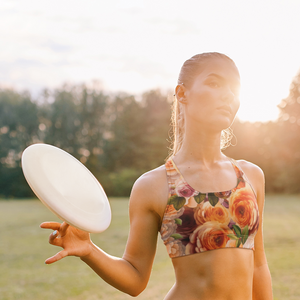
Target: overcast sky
[137, 45]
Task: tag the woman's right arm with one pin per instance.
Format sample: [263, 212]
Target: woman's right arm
[130, 273]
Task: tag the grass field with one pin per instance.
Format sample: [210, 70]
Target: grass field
[24, 247]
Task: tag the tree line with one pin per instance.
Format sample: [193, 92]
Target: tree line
[120, 136]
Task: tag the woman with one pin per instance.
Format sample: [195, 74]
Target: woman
[214, 237]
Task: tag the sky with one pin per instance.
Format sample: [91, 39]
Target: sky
[137, 45]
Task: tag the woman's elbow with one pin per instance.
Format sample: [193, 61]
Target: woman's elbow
[136, 290]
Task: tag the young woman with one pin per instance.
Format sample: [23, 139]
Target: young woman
[207, 207]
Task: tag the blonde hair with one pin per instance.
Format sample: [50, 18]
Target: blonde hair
[188, 72]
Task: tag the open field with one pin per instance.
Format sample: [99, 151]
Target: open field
[24, 247]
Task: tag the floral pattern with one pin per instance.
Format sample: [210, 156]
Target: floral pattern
[195, 222]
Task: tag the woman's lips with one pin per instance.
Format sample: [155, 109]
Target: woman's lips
[226, 109]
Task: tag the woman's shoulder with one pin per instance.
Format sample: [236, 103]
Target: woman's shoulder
[152, 180]
[151, 188]
[251, 169]
[254, 174]
[151, 177]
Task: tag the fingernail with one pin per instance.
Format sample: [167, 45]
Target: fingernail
[54, 232]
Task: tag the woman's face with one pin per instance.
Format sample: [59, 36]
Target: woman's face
[212, 99]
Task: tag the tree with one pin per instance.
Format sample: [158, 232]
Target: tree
[157, 119]
[289, 152]
[18, 129]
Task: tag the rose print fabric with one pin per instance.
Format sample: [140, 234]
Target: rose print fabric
[196, 222]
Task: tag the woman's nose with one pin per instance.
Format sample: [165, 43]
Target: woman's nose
[228, 96]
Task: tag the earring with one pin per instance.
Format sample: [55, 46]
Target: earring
[183, 100]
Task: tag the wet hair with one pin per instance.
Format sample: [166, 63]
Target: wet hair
[190, 69]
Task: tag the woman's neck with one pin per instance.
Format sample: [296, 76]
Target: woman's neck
[202, 146]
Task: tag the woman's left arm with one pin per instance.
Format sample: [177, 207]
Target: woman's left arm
[262, 282]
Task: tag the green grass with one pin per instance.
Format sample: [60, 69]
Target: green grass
[282, 244]
[24, 247]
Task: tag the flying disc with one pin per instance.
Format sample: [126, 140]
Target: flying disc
[66, 187]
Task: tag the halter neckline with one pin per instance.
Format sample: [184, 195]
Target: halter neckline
[238, 172]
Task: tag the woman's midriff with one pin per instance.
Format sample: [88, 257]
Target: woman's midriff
[223, 274]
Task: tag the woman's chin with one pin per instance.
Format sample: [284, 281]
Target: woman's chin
[221, 124]
[216, 124]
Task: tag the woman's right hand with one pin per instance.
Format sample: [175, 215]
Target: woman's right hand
[75, 242]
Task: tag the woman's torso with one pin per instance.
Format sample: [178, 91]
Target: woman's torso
[214, 275]
[219, 274]
[224, 274]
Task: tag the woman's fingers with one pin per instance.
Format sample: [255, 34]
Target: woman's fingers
[50, 225]
[58, 256]
[63, 229]
[54, 239]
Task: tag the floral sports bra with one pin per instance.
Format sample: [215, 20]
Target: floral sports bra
[196, 222]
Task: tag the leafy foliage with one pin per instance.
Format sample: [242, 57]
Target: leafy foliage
[119, 137]
[18, 129]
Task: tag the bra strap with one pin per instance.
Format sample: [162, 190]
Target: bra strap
[172, 175]
[243, 174]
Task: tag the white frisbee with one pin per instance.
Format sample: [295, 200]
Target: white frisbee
[66, 187]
